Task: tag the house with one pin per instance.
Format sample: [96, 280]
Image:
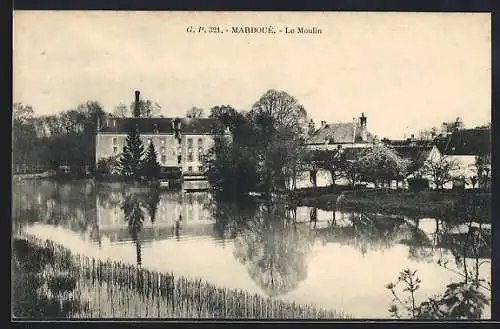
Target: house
[179, 142]
[463, 146]
[334, 136]
[417, 154]
[345, 136]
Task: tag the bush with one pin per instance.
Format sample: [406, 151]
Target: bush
[418, 184]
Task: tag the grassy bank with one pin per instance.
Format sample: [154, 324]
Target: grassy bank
[456, 204]
[49, 281]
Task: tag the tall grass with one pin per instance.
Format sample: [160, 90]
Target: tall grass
[110, 289]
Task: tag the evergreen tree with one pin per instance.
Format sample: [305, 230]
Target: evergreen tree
[151, 167]
[131, 159]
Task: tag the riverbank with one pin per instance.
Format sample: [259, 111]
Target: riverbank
[426, 203]
[50, 282]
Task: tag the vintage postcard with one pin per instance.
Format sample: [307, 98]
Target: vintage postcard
[251, 165]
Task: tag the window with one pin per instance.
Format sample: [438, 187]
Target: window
[163, 158]
[190, 169]
[190, 143]
[179, 159]
[339, 147]
[162, 140]
[163, 149]
[115, 149]
[155, 128]
[200, 168]
[115, 140]
[200, 142]
[150, 140]
[200, 156]
[190, 156]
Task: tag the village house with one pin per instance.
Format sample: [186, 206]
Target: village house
[337, 136]
[417, 154]
[179, 142]
[463, 146]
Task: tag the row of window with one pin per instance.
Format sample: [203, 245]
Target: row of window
[164, 157]
[162, 141]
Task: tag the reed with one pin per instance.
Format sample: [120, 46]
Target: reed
[111, 289]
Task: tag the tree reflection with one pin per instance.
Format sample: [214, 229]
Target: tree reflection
[135, 206]
[363, 231]
[274, 249]
[230, 215]
[71, 205]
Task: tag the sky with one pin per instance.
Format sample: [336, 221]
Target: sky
[405, 71]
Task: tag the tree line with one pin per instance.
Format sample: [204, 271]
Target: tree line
[46, 142]
[266, 152]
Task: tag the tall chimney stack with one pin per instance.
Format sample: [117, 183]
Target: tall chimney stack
[362, 126]
[137, 110]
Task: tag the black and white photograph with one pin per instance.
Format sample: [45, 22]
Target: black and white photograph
[212, 165]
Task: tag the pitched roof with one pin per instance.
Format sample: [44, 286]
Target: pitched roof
[339, 133]
[417, 154]
[409, 142]
[465, 142]
[193, 126]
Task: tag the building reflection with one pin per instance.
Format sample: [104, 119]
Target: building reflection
[166, 214]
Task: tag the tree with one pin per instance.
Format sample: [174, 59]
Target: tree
[277, 118]
[482, 166]
[108, 166]
[331, 161]
[24, 136]
[440, 171]
[194, 112]
[151, 167]
[147, 109]
[380, 164]
[276, 111]
[230, 168]
[121, 111]
[131, 158]
[353, 168]
[22, 113]
[311, 128]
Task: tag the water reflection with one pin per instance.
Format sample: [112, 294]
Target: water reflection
[274, 250]
[303, 254]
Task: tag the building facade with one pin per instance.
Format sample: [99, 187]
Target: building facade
[463, 147]
[334, 136]
[179, 142]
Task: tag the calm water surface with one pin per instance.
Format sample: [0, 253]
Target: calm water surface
[339, 260]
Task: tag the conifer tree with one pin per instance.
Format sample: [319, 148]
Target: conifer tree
[151, 167]
[133, 151]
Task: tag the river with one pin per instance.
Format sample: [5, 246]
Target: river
[339, 260]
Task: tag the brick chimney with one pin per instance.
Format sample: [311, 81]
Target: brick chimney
[137, 110]
[362, 127]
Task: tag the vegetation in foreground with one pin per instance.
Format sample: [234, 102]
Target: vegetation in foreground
[51, 282]
[460, 300]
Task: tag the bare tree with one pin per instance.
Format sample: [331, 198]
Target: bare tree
[195, 112]
[147, 108]
[121, 111]
[280, 122]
